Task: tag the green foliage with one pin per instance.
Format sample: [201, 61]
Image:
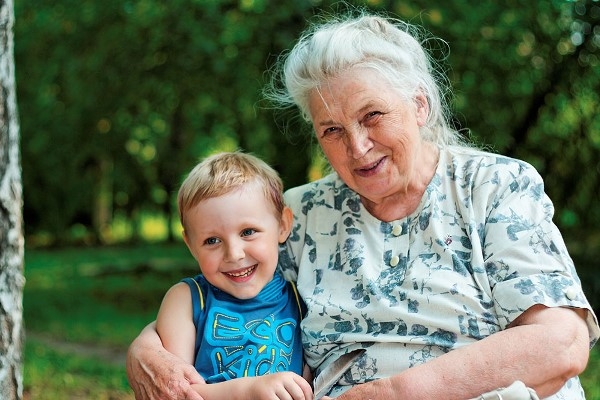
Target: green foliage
[527, 84]
[589, 379]
[118, 99]
[124, 97]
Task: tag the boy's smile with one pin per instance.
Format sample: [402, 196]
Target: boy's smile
[243, 274]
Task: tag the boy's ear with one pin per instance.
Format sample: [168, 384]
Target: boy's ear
[185, 237]
[285, 225]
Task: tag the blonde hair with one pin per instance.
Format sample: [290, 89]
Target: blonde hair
[223, 173]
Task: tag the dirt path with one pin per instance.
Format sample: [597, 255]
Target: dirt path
[110, 354]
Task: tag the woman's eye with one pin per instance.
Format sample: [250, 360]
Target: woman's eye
[211, 240]
[248, 232]
[371, 115]
[330, 131]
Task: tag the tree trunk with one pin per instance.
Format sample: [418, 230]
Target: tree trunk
[11, 227]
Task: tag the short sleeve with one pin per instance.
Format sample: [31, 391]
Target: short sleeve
[526, 259]
[290, 251]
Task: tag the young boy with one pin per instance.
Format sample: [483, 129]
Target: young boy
[239, 318]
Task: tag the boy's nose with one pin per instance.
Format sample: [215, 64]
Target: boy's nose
[235, 251]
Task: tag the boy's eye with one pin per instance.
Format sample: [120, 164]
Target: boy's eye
[248, 232]
[211, 240]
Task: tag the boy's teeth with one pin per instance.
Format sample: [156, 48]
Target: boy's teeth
[243, 273]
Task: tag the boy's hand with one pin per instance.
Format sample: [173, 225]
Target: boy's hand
[281, 386]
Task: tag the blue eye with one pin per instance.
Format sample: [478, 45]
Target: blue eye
[248, 232]
[211, 240]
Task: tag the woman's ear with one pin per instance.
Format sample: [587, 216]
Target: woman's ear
[285, 224]
[422, 108]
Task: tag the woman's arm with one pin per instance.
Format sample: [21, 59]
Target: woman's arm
[156, 374]
[544, 348]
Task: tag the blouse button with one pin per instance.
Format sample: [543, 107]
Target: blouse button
[394, 261]
[571, 293]
[396, 230]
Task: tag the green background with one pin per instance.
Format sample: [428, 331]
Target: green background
[119, 99]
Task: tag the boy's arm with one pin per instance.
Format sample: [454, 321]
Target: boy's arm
[174, 323]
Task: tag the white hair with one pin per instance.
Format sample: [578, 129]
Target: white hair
[390, 46]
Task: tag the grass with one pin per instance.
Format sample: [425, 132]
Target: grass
[56, 375]
[100, 298]
[82, 308]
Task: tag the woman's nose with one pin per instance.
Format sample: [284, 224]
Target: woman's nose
[358, 142]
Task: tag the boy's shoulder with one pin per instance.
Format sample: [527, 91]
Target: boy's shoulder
[199, 287]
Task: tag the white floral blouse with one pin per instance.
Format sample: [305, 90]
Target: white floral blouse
[479, 250]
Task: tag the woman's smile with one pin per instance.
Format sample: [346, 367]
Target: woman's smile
[370, 169]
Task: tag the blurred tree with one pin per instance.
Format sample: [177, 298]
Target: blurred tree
[11, 233]
[131, 94]
[536, 93]
[123, 97]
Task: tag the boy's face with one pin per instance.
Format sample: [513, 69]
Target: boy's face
[235, 239]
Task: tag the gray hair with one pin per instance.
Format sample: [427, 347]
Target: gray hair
[390, 46]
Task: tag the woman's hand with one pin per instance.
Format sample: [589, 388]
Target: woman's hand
[156, 374]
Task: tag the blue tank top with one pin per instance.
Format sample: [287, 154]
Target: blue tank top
[237, 338]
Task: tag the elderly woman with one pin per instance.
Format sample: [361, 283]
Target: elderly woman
[440, 260]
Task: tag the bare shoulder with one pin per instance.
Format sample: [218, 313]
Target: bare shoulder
[176, 300]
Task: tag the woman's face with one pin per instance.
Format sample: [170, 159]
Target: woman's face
[369, 133]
